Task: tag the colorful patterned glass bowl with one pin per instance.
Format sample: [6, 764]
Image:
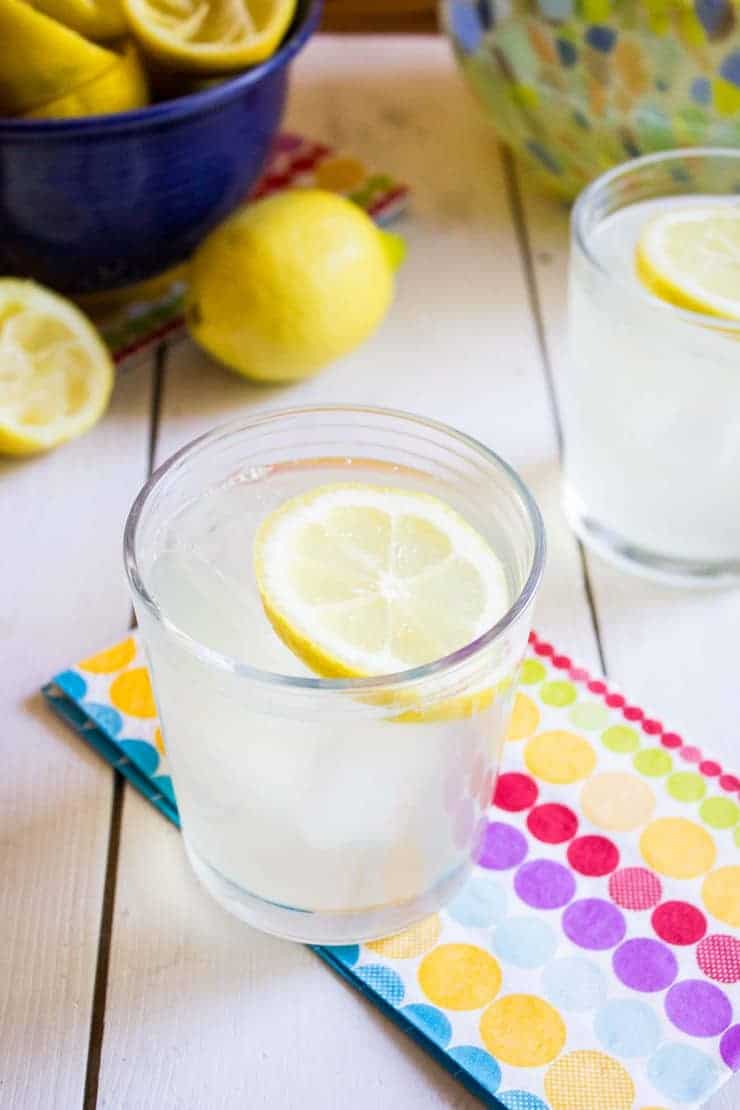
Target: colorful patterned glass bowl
[577, 86]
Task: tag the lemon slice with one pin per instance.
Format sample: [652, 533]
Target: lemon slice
[691, 258]
[362, 580]
[122, 88]
[41, 59]
[95, 19]
[210, 36]
[56, 374]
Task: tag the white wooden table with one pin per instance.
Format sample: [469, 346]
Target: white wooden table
[122, 985]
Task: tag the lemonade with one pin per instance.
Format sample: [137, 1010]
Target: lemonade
[651, 395]
[325, 809]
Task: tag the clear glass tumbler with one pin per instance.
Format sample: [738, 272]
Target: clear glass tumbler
[651, 392]
[323, 810]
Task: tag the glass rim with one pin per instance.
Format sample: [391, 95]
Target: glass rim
[274, 679]
[588, 196]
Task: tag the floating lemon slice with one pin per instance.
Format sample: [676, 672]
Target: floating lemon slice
[41, 59]
[122, 88]
[210, 36]
[362, 580]
[95, 19]
[56, 374]
[691, 258]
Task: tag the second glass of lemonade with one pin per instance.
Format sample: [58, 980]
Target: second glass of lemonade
[320, 802]
[651, 391]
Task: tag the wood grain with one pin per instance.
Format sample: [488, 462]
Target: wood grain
[380, 15]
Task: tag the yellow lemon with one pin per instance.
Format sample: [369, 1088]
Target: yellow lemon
[41, 59]
[363, 580]
[56, 374]
[691, 257]
[210, 36]
[122, 88]
[95, 19]
[289, 284]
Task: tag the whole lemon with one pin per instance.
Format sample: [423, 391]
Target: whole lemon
[290, 283]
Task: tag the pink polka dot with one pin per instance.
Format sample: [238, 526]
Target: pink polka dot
[729, 782]
[718, 956]
[690, 754]
[543, 649]
[671, 740]
[709, 768]
[632, 713]
[635, 888]
[552, 823]
[615, 701]
[562, 662]
[651, 727]
[597, 687]
[533, 637]
[515, 792]
[593, 855]
[578, 674]
[679, 923]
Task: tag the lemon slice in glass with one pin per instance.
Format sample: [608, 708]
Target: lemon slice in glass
[691, 258]
[95, 19]
[56, 374]
[361, 580]
[210, 36]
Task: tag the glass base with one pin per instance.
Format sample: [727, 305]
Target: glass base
[351, 927]
[696, 573]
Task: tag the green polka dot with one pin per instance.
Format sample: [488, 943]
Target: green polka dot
[719, 813]
[589, 714]
[532, 671]
[653, 762]
[686, 786]
[558, 693]
[620, 738]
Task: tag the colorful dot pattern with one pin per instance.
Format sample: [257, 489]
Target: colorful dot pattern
[593, 957]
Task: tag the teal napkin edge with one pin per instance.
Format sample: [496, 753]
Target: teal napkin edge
[64, 705]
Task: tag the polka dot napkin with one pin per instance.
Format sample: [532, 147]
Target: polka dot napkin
[592, 962]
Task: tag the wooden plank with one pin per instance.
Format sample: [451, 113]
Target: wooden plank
[202, 1011]
[63, 596]
[380, 15]
[673, 651]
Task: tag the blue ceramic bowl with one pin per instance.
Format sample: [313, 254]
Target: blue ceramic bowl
[95, 203]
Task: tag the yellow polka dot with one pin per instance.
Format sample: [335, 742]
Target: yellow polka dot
[559, 757]
[524, 719]
[589, 1079]
[340, 174]
[523, 1030]
[114, 659]
[411, 942]
[721, 894]
[159, 741]
[459, 976]
[617, 800]
[677, 847]
[131, 692]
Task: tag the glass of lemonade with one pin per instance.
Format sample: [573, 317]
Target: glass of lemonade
[651, 393]
[334, 809]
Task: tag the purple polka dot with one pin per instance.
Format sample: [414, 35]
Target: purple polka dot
[544, 884]
[594, 923]
[645, 965]
[502, 847]
[698, 1008]
[729, 1048]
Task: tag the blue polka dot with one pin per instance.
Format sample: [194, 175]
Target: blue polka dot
[601, 38]
[730, 68]
[713, 14]
[661, 84]
[682, 1073]
[72, 683]
[701, 90]
[628, 1027]
[521, 1100]
[582, 120]
[164, 782]
[465, 23]
[525, 941]
[104, 716]
[481, 902]
[383, 981]
[478, 1064]
[574, 984]
[144, 755]
[566, 52]
[431, 1020]
[349, 954]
